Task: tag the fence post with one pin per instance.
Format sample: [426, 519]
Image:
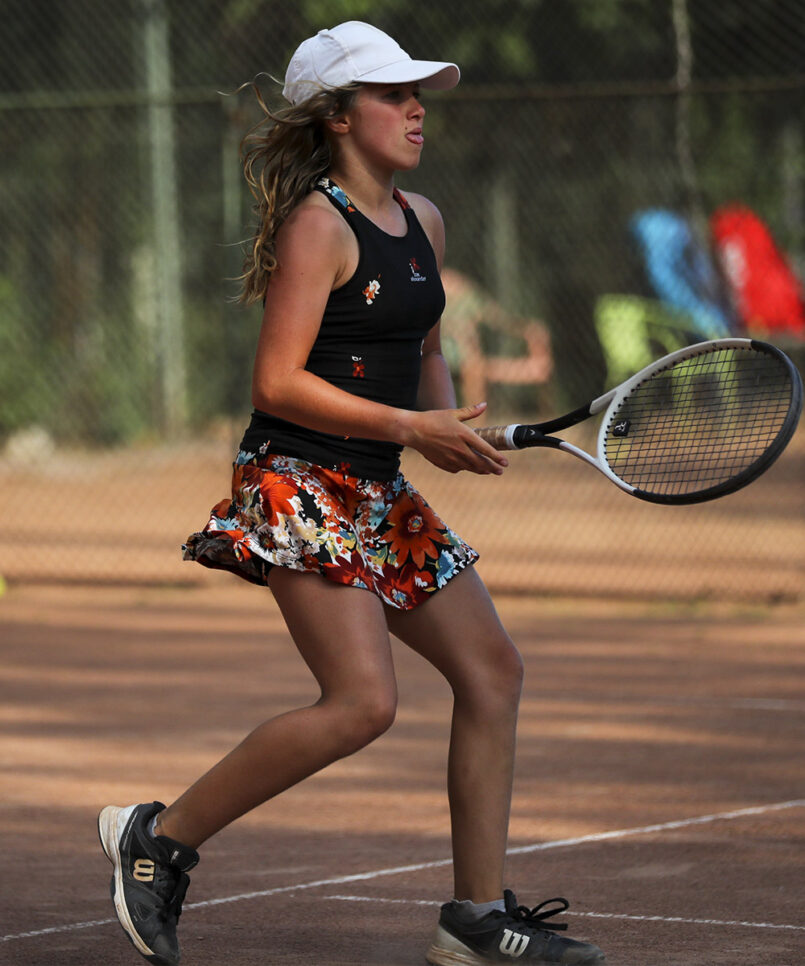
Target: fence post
[165, 204]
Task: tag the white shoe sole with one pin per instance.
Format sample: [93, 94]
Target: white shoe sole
[446, 950]
[111, 824]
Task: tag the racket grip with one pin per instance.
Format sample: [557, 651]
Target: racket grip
[498, 436]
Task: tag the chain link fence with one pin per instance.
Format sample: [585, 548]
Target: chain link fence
[578, 126]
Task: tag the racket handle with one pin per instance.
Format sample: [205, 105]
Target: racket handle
[501, 437]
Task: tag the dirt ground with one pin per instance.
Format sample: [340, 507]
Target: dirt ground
[659, 784]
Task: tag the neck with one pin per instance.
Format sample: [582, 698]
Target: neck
[371, 191]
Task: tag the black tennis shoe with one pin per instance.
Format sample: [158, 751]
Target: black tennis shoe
[518, 935]
[150, 879]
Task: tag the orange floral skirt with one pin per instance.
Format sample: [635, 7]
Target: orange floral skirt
[286, 512]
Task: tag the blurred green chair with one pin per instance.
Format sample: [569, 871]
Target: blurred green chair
[634, 331]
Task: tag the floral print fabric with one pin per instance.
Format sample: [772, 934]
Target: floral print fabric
[287, 512]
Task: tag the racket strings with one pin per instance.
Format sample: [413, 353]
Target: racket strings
[700, 422]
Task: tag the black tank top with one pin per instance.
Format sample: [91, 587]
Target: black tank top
[369, 342]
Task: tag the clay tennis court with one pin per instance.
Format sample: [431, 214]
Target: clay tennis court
[659, 783]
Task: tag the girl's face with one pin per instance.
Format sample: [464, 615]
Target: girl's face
[386, 125]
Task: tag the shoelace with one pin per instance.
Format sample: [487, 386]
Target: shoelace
[171, 887]
[537, 919]
[179, 894]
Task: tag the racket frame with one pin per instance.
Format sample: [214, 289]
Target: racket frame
[521, 436]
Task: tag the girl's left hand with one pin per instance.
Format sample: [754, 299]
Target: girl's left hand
[442, 438]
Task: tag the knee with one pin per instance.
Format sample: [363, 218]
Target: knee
[360, 719]
[508, 669]
[496, 678]
[375, 717]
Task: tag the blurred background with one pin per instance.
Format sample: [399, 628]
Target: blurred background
[618, 178]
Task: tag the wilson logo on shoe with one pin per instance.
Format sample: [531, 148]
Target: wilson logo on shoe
[513, 944]
[143, 870]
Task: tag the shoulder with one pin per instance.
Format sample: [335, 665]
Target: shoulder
[313, 234]
[429, 217]
[428, 214]
[314, 218]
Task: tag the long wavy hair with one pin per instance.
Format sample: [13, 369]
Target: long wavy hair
[283, 156]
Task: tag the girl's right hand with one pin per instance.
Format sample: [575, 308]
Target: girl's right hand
[442, 438]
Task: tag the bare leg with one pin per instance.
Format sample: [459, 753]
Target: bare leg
[341, 633]
[459, 632]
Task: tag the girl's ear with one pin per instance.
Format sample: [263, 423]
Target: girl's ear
[338, 124]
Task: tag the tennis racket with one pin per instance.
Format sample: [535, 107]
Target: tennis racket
[697, 424]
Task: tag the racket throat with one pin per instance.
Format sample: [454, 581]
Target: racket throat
[524, 436]
[577, 416]
[592, 461]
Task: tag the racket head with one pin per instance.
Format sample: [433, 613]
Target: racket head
[701, 422]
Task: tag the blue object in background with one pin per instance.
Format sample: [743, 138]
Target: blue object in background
[680, 270]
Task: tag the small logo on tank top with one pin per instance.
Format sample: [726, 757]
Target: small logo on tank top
[416, 275]
[371, 291]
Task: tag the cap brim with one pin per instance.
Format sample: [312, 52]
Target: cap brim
[430, 74]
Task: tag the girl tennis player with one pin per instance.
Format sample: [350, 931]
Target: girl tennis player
[348, 371]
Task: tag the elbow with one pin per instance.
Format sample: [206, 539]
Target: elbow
[264, 395]
[271, 393]
[259, 395]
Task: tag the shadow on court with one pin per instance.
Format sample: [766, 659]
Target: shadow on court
[659, 781]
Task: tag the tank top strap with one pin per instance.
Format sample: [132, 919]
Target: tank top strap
[401, 200]
[337, 197]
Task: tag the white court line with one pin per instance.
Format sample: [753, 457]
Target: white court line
[662, 827]
[590, 915]
[419, 867]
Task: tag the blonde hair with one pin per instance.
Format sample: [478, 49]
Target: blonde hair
[281, 165]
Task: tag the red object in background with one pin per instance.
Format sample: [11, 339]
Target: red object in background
[768, 296]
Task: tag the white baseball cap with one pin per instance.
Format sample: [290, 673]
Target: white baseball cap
[356, 51]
